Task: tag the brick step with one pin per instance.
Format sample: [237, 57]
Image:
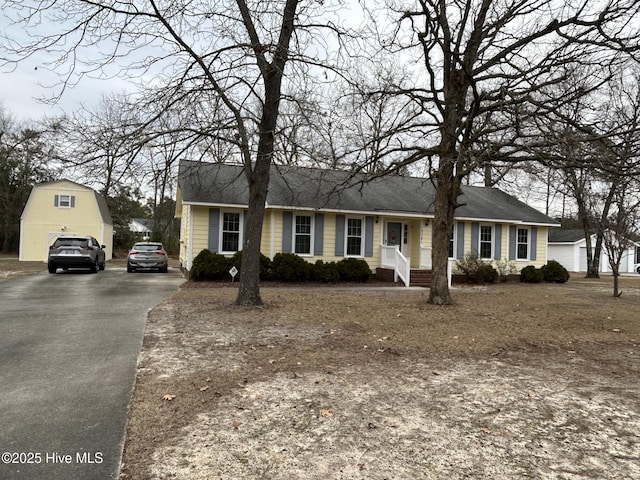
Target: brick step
[420, 278]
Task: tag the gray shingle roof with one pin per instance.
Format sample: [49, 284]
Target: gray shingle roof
[566, 236]
[312, 188]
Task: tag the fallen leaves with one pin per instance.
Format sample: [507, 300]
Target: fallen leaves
[325, 412]
[168, 397]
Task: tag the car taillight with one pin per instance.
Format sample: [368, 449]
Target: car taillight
[87, 247]
[133, 252]
[161, 252]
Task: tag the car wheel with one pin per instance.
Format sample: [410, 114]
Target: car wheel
[638, 270]
[129, 268]
[94, 267]
[101, 266]
[52, 268]
[164, 270]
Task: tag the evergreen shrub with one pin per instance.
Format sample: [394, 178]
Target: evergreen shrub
[209, 266]
[326, 272]
[265, 265]
[531, 274]
[353, 270]
[289, 267]
[554, 272]
[486, 274]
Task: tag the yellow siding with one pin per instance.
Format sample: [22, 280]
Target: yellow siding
[467, 237]
[185, 237]
[42, 222]
[415, 233]
[541, 246]
[329, 242]
[200, 229]
[329, 239]
[195, 228]
[426, 239]
[271, 231]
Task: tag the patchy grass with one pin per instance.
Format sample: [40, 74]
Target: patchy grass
[11, 267]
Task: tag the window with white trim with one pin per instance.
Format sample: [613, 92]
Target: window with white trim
[522, 244]
[230, 237]
[354, 237]
[486, 242]
[64, 201]
[302, 235]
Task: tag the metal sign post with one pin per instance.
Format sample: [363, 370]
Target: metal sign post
[233, 272]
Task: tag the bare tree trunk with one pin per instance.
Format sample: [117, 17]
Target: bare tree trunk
[442, 223]
[593, 263]
[249, 291]
[445, 202]
[258, 176]
[594, 266]
[258, 179]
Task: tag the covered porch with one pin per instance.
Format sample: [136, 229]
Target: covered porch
[395, 267]
[405, 252]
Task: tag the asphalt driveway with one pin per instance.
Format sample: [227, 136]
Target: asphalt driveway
[69, 346]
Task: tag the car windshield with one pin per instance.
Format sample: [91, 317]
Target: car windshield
[147, 248]
[70, 242]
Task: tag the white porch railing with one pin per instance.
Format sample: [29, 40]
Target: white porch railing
[392, 257]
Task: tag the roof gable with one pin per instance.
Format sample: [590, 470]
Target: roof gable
[318, 189]
[63, 183]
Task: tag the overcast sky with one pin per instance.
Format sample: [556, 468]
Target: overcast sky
[21, 89]
[22, 85]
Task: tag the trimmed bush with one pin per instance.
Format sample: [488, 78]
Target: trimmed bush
[353, 270]
[486, 274]
[265, 265]
[326, 272]
[289, 267]
[209, 266]
[531, 274]
[554, 272]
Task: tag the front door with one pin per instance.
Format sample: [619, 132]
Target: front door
[396, 233]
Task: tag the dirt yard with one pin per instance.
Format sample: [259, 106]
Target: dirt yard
[10, 267]
[514, 381]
